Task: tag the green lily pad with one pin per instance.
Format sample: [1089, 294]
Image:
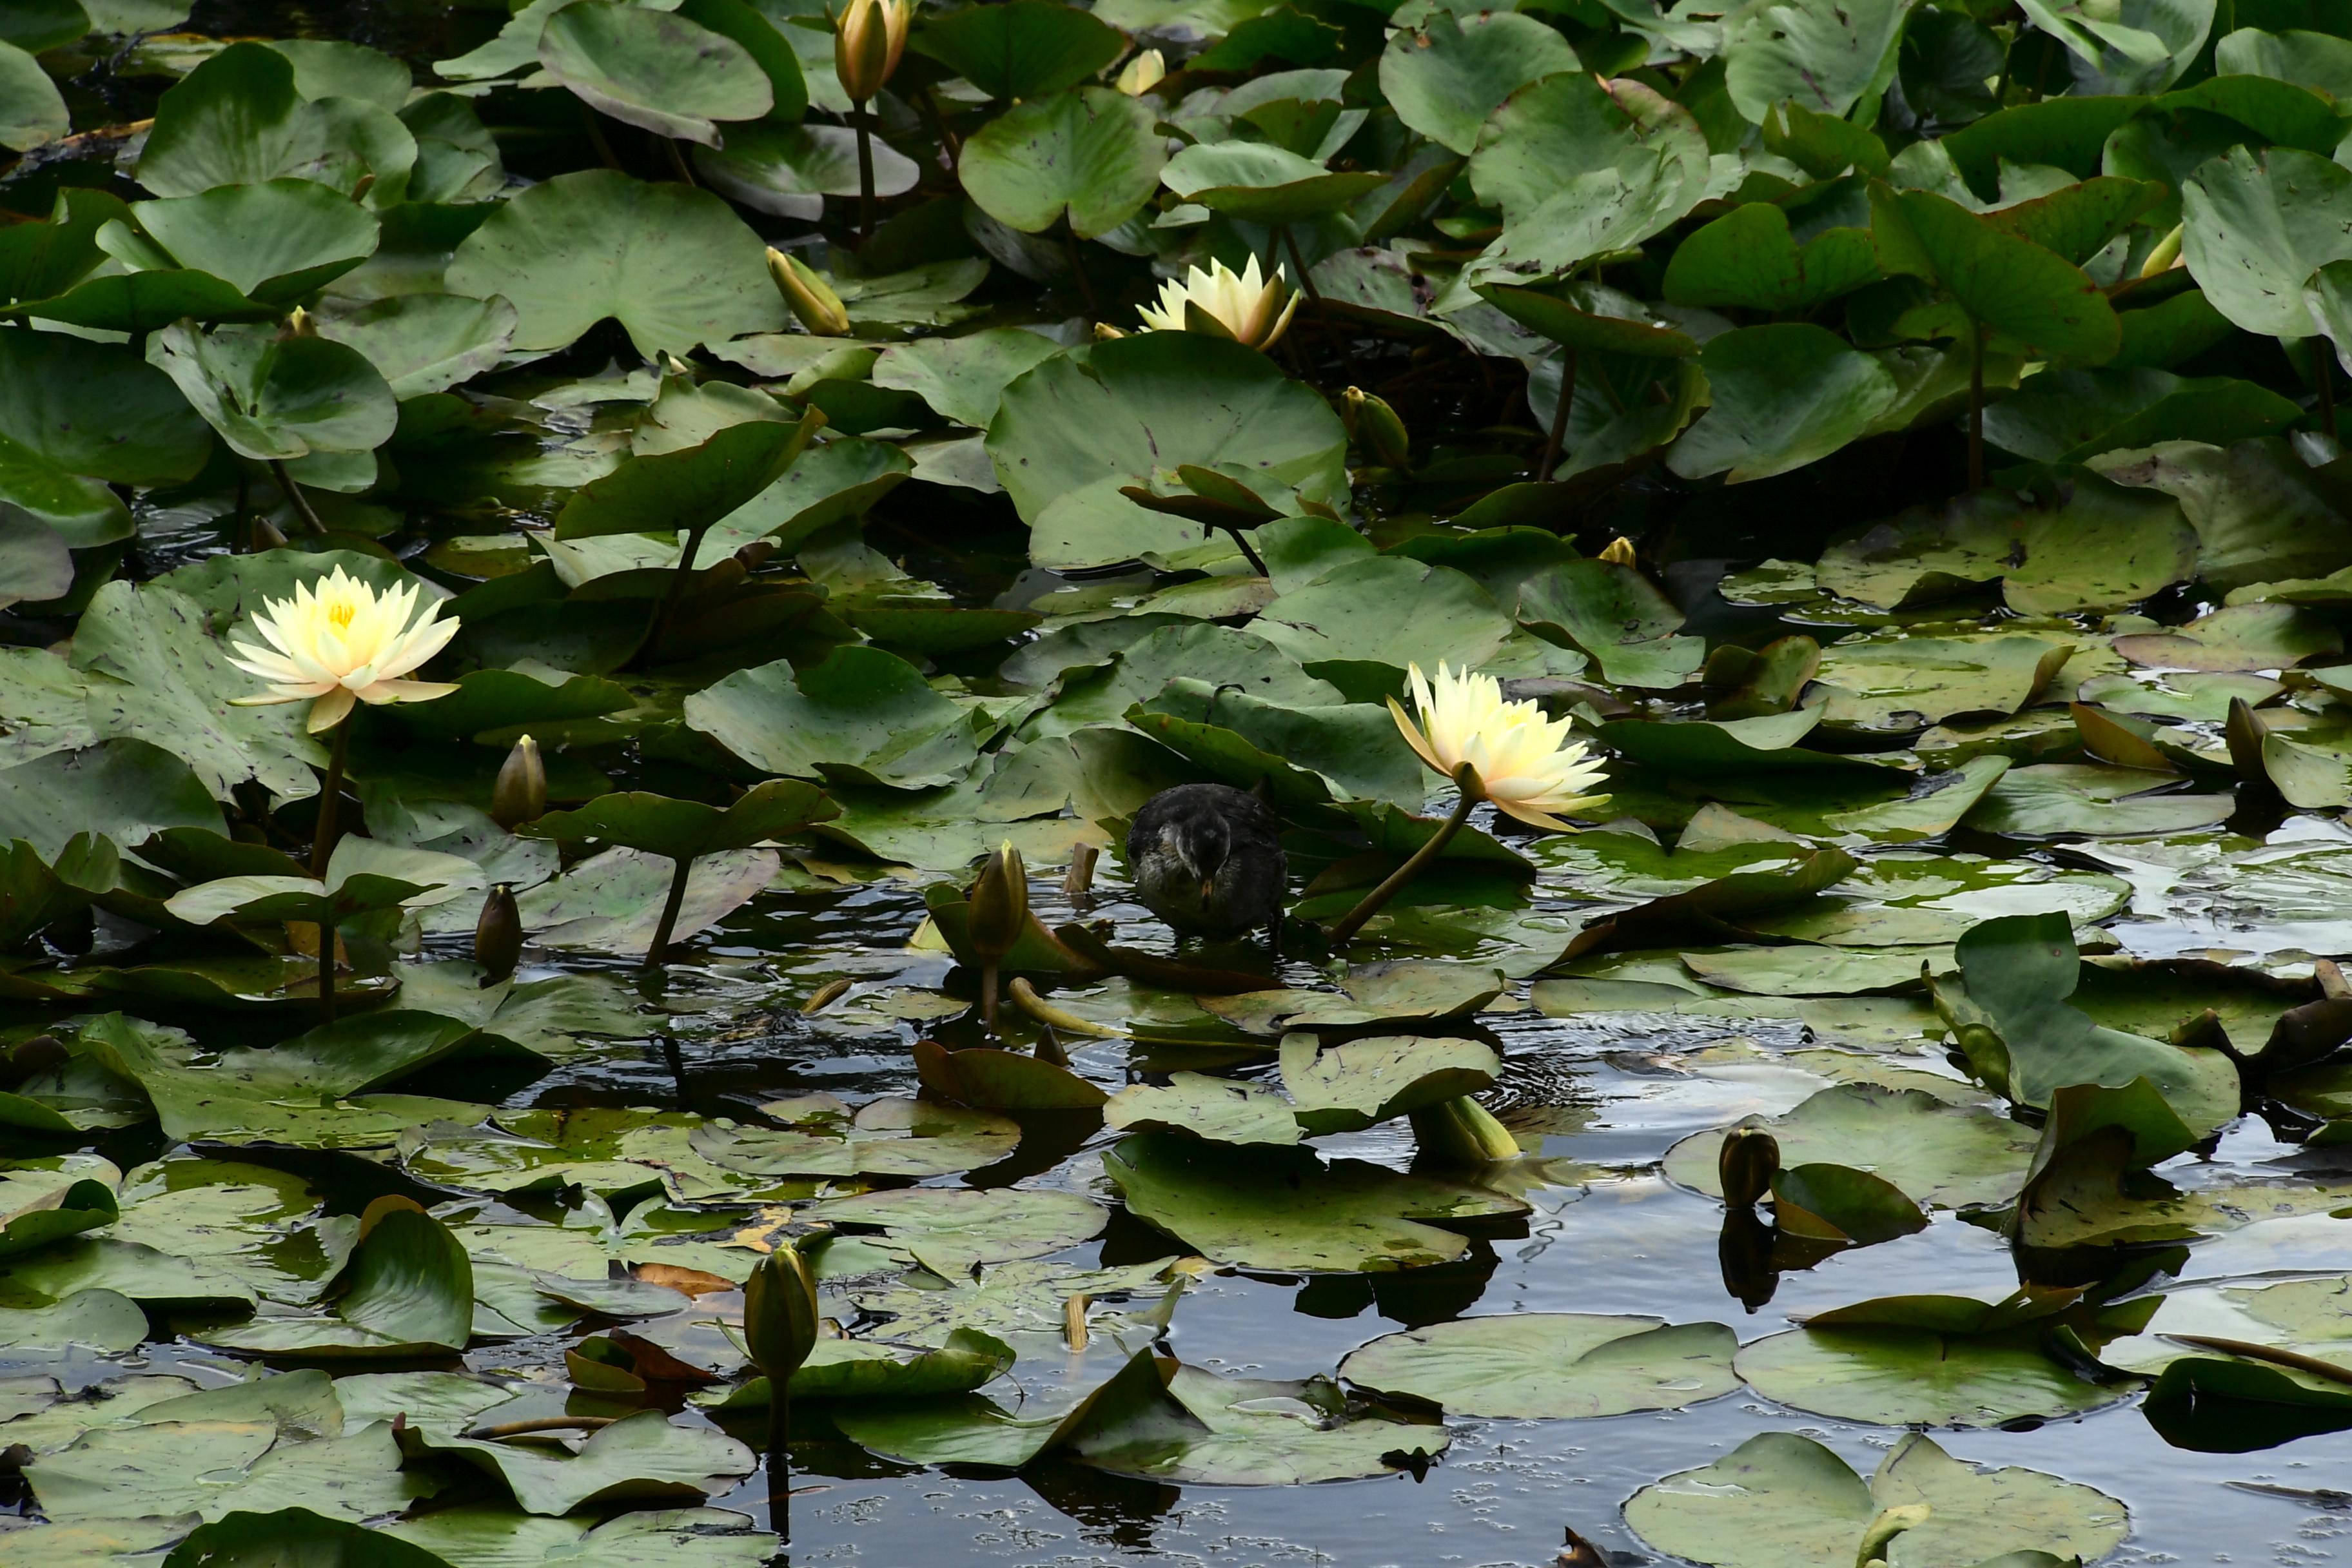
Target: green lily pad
[1446, 78]
[1896, 1375]
[1195, 1104]
[643, 1456]
[1362, 1082]
[673, 265]
[1546, 1365]
[1779, 1500]
[883, 1137]
[1088, 153]
[1939, 1153]
[1069, 433]
[215, 1467]
[409, 1291]
[483, 1534]
[662, 72]
[2053, 799]
[1260, 1207]
[862, 715]
[950, 1229]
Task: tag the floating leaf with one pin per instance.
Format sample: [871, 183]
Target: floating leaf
[1539, 1365]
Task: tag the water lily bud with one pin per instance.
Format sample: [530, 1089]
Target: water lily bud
[1376, 427]
[498, 935]
[754, 555]
[1105, 332]
[2166, 254]
[999, 905]
[520, 793]
[1749, 1159]
[811, 296]
[300, 324]
[1142, 73]
[1620, 549]
[780, 1318]
[2243, 734]
[868, 40]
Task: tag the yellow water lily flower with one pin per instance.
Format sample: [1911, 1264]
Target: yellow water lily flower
[867, 42]
[1242, 306]
[338, 642]
[1525, 763]
[1142, 73]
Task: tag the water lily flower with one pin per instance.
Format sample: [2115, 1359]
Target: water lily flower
[338, 642]
[1222, 303]
[1523, 763]
[867, 42]
[1142, 73]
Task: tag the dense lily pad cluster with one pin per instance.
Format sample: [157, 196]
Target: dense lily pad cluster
[587, 592]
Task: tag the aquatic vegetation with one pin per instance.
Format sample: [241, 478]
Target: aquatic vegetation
[658, 661]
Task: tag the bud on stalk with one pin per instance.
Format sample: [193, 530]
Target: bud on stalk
[520, 793]
[868, 40]
[498, 935]
[998, 914]
[1377, 429]
[1749, 1159]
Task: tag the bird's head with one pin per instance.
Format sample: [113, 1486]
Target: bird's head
[1200, 843]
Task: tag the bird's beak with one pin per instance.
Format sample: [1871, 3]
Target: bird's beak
[1208, 888]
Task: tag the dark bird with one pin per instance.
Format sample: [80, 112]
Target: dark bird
[1207, 858]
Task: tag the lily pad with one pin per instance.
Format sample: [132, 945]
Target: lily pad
[883, 1137]
[1779, 1500]
[1546, 1365]
[1260, 1207]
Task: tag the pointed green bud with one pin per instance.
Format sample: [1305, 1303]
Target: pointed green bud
[999, 905]
[1749, 1159]
[819, 310]
[780, 1317]
[1377, 429]
[520, 793]
[498, 935]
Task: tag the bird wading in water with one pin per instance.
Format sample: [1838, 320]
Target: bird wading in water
[1207, 858]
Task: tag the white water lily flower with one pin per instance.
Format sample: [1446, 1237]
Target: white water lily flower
[338, 641]
[1525, 763]
[1244, 305]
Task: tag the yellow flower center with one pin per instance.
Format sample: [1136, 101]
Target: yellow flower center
[341, 613]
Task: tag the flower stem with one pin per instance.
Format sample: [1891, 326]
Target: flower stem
[660, 952]
[679, 577]
[864, 115]
[330, 798]
[1465, 779]
[1078, 271]
[326, 972]
[295, 498]
[2323, 380]
[987, 977]
[1975, 406]
[1558, 434]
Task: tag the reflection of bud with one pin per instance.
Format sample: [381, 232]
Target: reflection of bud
[1620, 551]
[866, 43]
[1142, 73]
[779, 1321]
[498, 935]
[999, 905]
[1750, 1157]
[520, 793]
[1743, 1253]
[1376, 427]
[811, 296]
